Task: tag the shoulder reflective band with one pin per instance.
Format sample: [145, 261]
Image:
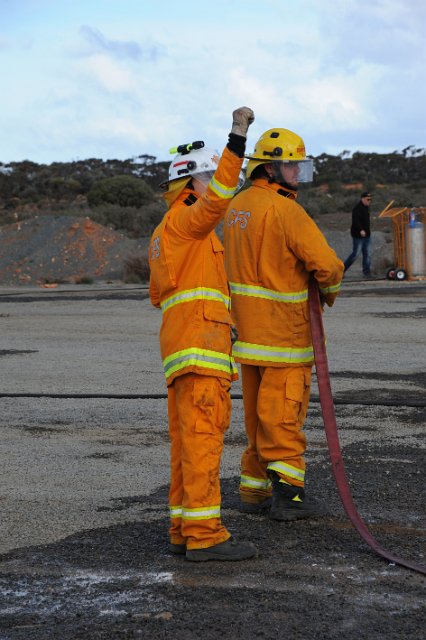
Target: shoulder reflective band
[221, 190]
[267, 294]
[255, 483]
[334, 289]
[288, 470]
[199, 358]
[255, 352]
[199, 293]
[175, 512]
[201, 513]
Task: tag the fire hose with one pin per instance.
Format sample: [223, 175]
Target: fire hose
[331, 431]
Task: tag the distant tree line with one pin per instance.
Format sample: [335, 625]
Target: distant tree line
[125, 194]
[400, 167]
[32, 182]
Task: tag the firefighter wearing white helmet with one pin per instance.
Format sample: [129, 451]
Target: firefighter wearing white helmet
[193, 165]
[272, 248]
[188, 283]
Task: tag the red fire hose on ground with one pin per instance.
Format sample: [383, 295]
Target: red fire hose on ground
[330, 425]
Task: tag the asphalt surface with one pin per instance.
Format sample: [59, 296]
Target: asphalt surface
[83, 480]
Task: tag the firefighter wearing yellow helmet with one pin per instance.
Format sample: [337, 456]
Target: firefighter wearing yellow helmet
[285, 151]
[272, 247]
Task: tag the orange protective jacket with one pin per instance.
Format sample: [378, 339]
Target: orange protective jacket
[271, 247]
[188, 279]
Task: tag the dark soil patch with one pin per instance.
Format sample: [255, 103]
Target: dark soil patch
[16, 352]
[312, 579]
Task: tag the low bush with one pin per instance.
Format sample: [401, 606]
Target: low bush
[136, 269]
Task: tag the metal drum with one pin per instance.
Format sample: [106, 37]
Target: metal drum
[415, 244]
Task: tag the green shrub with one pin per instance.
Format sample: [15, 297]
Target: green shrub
[134, 222]
[84, 280]
[124, 190]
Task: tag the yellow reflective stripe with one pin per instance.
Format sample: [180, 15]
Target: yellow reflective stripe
[268, 294]
[233, 366]
[175, 512]
[221, 190]
[255, 483]
[201, 513]
[199, 293]
[288, 470]
[198, 357]
[255, 352]
[333, 289]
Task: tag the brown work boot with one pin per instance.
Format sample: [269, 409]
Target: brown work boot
[289, 502]
[228, 550]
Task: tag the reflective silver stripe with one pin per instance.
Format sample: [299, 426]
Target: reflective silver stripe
[255, 483]
[267, 294]
[202, 513]
[333, 289]
[234, 366]
[251, 351]
[175, 512]
[288, 470]
[200, 293]
[199, 358]
[221, 190]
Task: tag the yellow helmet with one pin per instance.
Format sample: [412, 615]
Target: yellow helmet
[278, 145]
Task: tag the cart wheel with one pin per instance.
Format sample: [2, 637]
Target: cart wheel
[400, 274]
[390, 273]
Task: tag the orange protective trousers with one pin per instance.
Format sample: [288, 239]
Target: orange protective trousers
[199, 413]
[275, 404]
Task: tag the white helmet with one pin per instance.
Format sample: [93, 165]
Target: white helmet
[192, 160]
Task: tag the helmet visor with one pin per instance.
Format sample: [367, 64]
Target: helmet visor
[203, 176]
[241, 181]
[306, 170]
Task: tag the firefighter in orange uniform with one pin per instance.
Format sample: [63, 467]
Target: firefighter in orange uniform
[188, 282]
[272, 247]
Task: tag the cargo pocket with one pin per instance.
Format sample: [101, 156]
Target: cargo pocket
[213, 405]
[218, 253]
[216, 311]
[295, 388]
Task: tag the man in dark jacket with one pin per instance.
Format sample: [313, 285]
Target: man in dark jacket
[361, 236]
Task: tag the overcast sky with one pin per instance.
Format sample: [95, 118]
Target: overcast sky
[121, 78]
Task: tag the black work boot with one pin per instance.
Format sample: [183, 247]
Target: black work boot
[288, 501]
[228, 550]
[255, 507]
[177, 549]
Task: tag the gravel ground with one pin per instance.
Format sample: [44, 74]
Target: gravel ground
[61, 249]
[84, 482]
[67, 248]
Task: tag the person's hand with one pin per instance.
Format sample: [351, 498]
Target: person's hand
[362, 233]
[242, 118]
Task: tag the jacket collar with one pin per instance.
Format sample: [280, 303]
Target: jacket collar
[263, 183]
[187, 197]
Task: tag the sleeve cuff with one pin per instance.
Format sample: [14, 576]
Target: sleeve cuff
[237, 144]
